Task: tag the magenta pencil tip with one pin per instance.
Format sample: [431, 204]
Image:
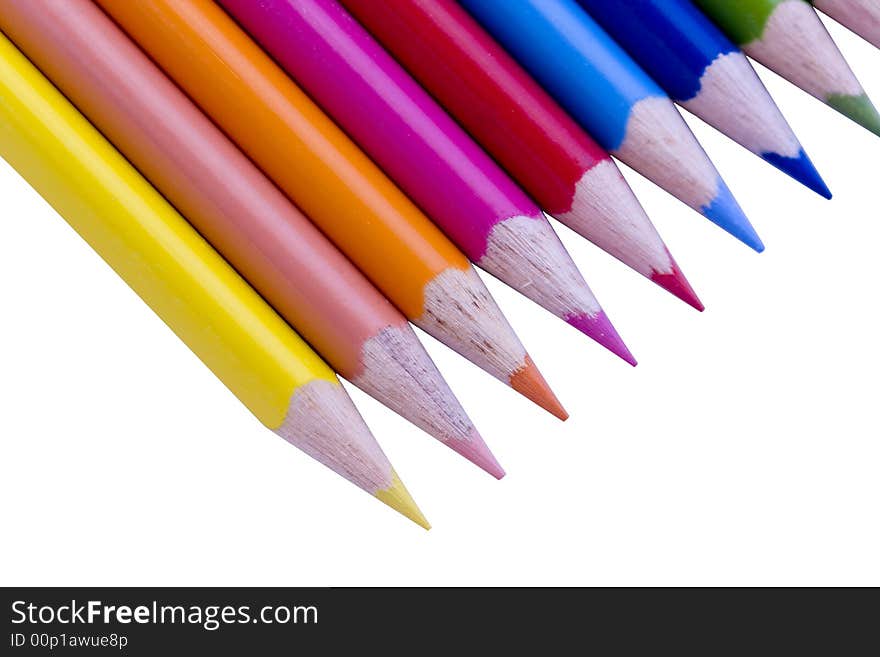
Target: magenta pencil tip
[675, 283]
[600, 329]
[475, 450]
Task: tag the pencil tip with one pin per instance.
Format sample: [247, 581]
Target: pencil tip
[397, 371]
[677, 284]
[475, 450]
[858, 108]
[529, 382]
[726, 213]
[802, 169]
[600, 329]
[398, 498]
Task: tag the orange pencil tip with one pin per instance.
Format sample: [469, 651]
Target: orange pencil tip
[530, 383]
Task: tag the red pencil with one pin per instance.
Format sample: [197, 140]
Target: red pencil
[565, 170]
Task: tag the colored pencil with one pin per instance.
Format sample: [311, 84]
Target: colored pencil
[225, 323]
[426, 153]
[250, 222]
[704, 72]
[606, 91]
[861, 16]
[331, 180]
[523, 128]
[788, 37]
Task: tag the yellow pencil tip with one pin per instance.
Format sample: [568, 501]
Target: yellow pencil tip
[398, 498]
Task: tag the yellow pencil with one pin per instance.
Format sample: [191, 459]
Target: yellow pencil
[201, 298]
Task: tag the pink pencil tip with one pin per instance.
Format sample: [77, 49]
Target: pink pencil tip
[600, 329]
[676, 283]
[475, 450]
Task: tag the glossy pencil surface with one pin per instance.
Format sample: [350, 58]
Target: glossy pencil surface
[702, 70]
[432, 159]
[250, 222]
[614, 99]
[341, 190]
[226, 324]
[523, 128]
[861, 16]
[788, 37]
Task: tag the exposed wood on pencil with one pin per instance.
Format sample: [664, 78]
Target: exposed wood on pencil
[321, 421]
[226, 324]
[861, 16]
[460, 296]
[397, 371]
[680, 164]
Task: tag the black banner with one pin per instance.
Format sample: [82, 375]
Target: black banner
[245, 621]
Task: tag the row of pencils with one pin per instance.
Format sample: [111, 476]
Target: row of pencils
[290, 184]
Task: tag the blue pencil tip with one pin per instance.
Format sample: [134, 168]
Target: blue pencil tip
[800, 168]
[725, 212]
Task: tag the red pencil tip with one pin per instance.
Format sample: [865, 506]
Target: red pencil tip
[475, 450]
[676, 283]
[530, 383]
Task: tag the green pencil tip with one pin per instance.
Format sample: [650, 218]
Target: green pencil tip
[858, 108]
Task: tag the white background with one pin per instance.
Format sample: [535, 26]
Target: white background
[743, 449]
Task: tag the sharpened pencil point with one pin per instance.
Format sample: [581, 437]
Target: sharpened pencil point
[858, 108]
[600, 329]
[675, 283]
[725, 213]
[475, 450]
[398, 498]
[800, 168]
[529, 382]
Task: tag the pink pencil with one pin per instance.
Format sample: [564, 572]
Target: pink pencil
[433, 160]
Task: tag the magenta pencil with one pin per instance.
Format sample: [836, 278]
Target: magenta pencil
[426, 152]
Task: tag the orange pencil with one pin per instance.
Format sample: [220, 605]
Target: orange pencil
[332, 181]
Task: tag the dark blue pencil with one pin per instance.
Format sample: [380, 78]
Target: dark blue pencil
[704, 72]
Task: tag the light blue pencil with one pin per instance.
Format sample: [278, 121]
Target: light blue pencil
[614, 99]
